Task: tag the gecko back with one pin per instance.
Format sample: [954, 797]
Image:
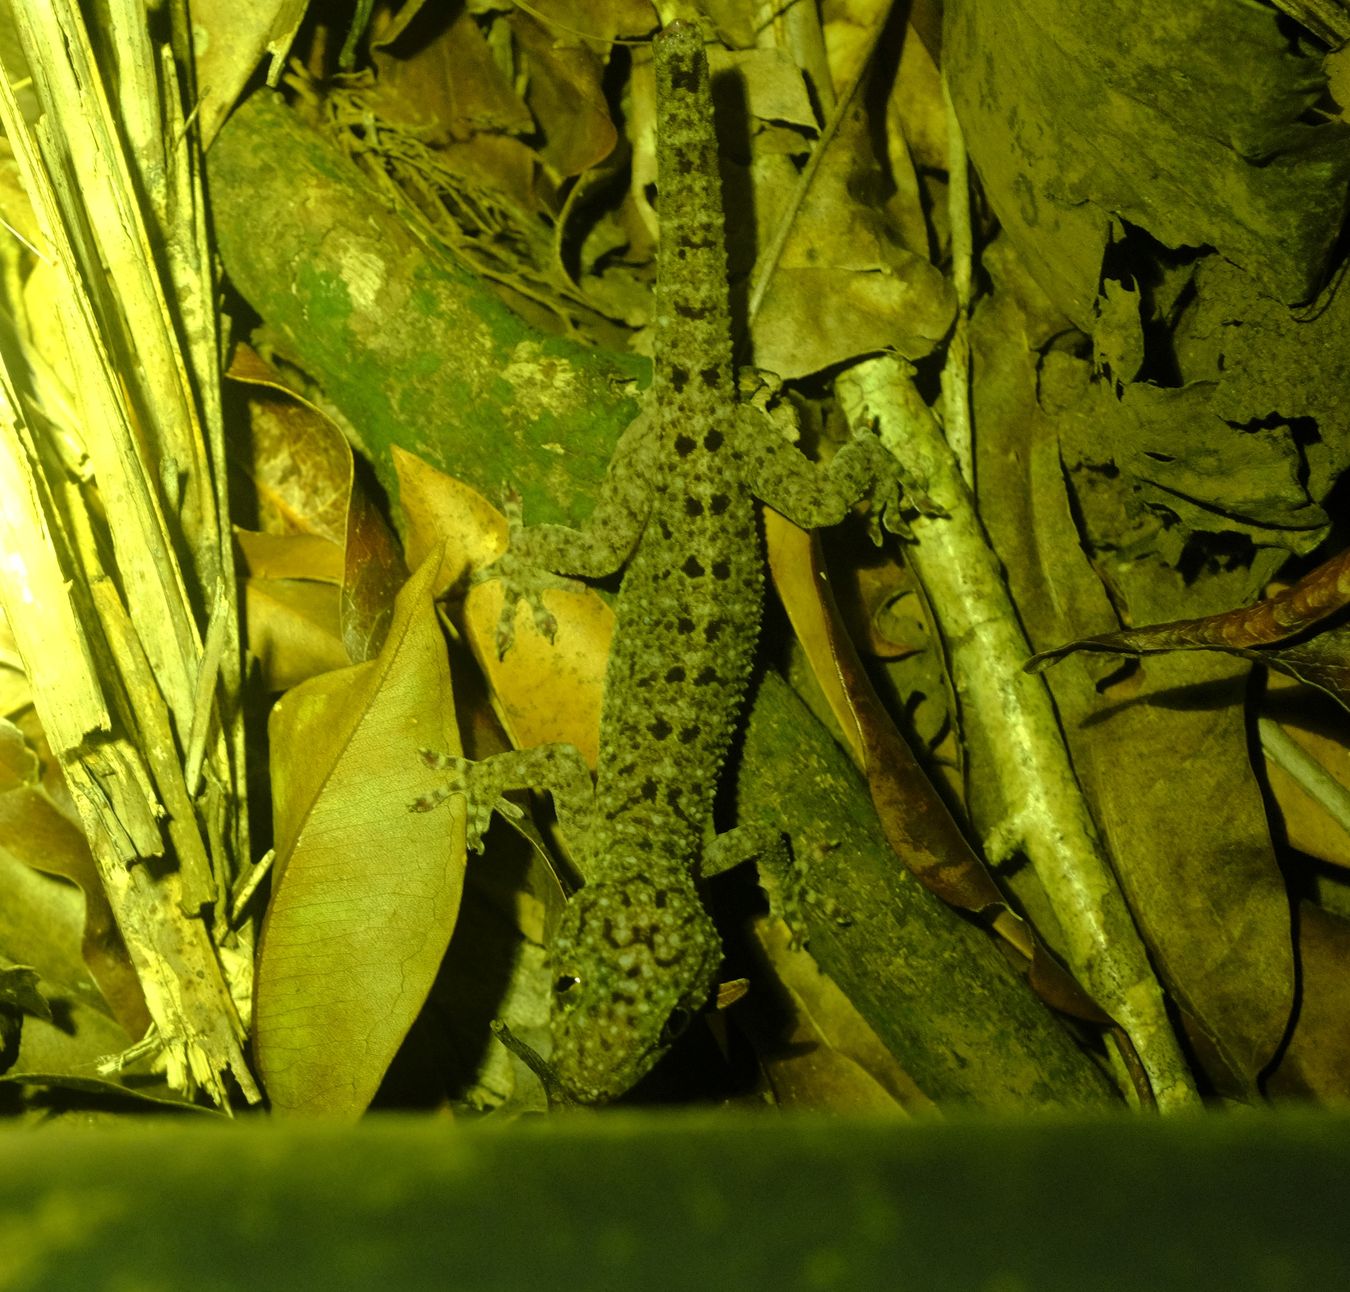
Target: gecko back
[636, 953]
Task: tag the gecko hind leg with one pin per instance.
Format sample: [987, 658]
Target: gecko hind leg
[784, 876]
[556, 769]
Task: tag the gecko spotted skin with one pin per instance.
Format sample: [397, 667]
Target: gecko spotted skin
[636, 953]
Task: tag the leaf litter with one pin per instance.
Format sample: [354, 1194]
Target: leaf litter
[1158, 362]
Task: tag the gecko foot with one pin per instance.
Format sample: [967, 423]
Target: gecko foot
[522, 579]
[796, 893]
[479, 784]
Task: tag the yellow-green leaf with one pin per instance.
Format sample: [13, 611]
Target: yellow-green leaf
[366, 892]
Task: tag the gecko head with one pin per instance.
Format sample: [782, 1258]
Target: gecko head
[632, 963]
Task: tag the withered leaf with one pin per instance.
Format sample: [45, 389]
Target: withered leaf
[1252, 632]
[366, 892]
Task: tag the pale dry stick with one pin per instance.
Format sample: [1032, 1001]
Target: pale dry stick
[79, 176]
[1042, 812]
[190, 256]
[956, 369]
[179, 968]
[198, 1032]
[1306, 772]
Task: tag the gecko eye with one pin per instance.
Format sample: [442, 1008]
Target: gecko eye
[564, 983]
[676, 1025]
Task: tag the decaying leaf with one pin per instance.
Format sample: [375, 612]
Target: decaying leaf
[305, 479]
[38, 833]
[1227, 153]
[1261, 633]
[1316, 1058]
[366, 891]
[844, 266]
[544, 691]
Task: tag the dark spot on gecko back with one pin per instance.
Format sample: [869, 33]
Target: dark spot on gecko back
[684, 445]
[695, 313]
[693, 567]
[675, 673]
[712, 377]
[707, 676]
[684, 77]
[721, 570]
[688, 735]
[660, 729]
[694, 243]
[693, 507]
[718, 503]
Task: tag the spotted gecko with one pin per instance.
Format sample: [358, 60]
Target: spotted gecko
[636, 953]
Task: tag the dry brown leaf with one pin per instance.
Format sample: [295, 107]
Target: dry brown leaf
[844, 268]
[306, 483]
[36, 831]
[293, 630]
[566, 96]
[1316, 1060]
[365, 891]
[230, 40]
[447, 88]
[289, 556]
[1167, 768]
[544, 692]
[297, 465]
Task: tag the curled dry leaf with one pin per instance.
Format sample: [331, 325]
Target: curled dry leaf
[302, 468]
[37, 832]
[543, 692]
[366, 892]
[1252, 632]
[303, 471]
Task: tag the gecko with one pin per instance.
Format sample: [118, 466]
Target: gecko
[636, 955]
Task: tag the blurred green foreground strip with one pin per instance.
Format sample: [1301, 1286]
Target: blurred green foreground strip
[622, 1200]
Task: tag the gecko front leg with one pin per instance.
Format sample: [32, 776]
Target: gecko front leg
[810, 494]
[557, 769]
[539, 554]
